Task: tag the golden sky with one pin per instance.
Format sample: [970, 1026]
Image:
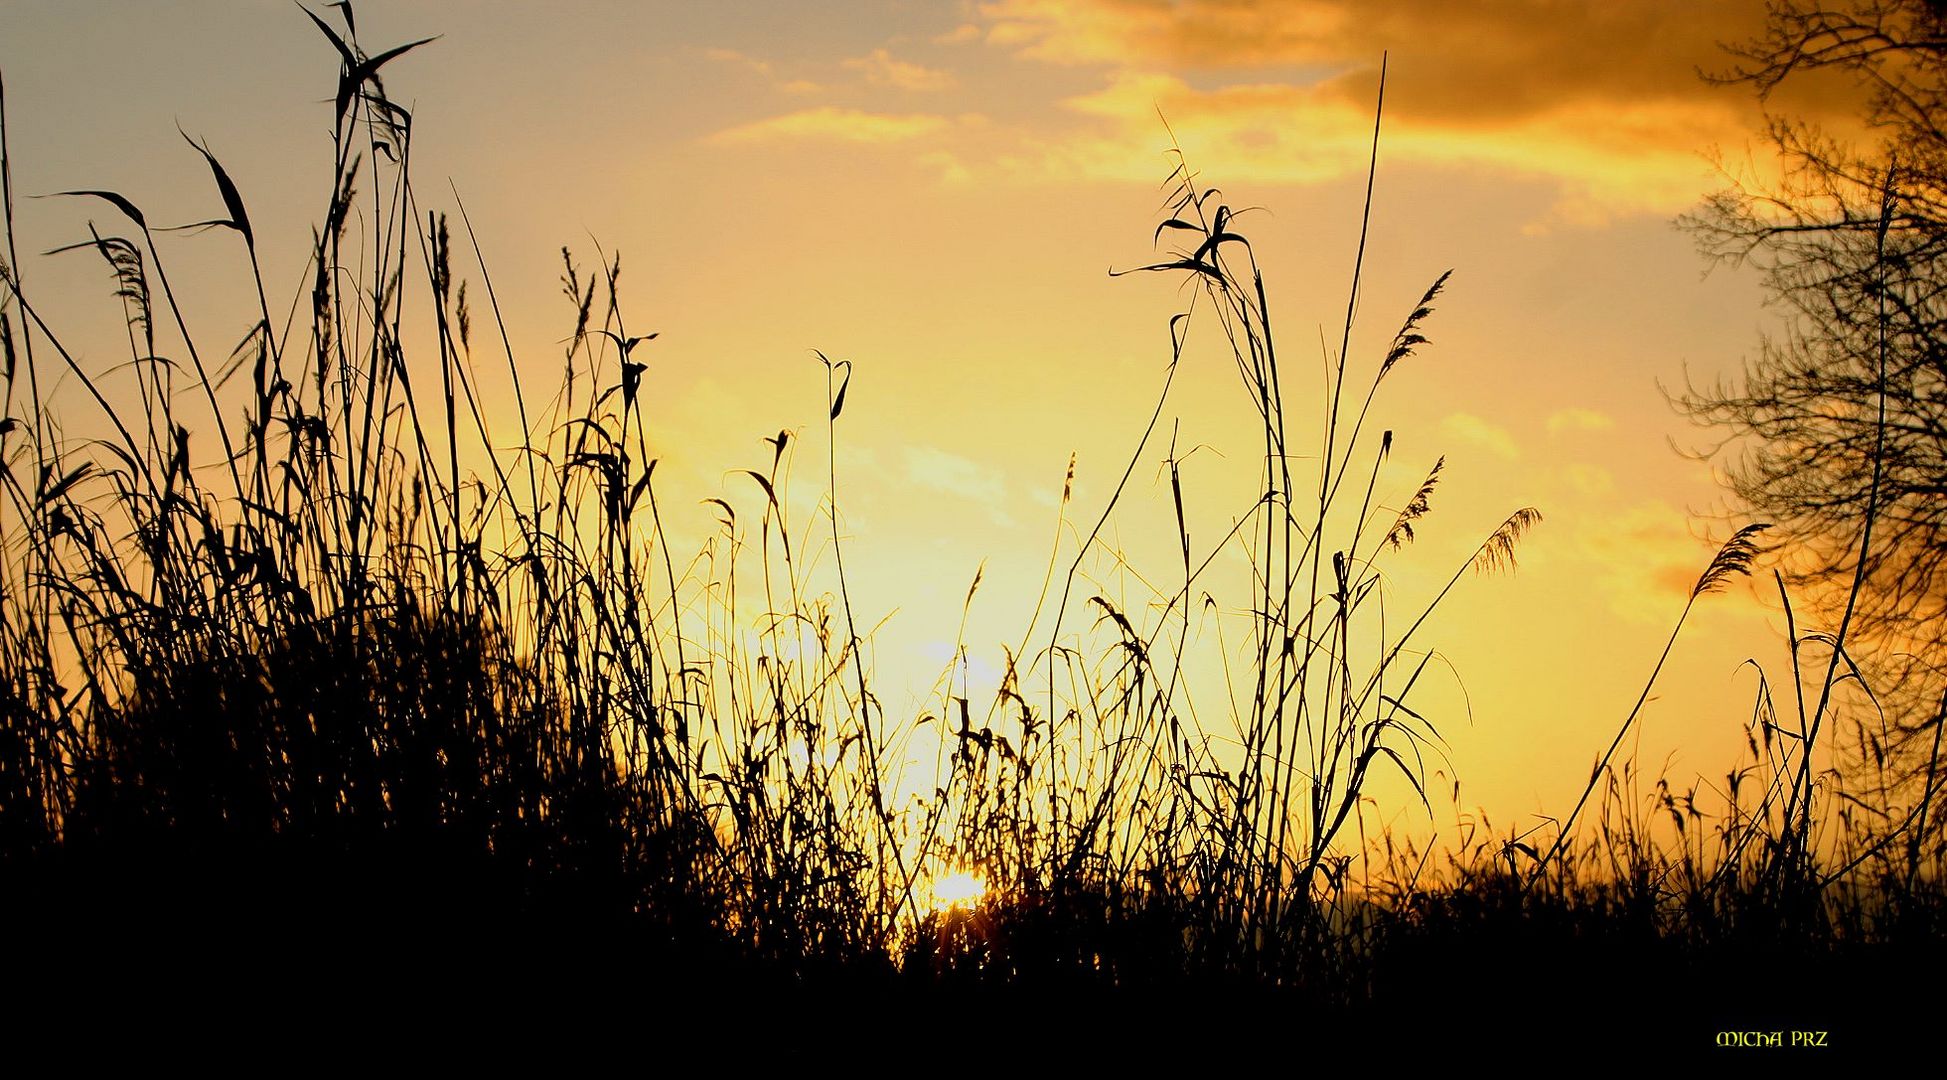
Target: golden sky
[936, 190]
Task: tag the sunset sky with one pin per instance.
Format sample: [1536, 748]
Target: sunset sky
[937, 189]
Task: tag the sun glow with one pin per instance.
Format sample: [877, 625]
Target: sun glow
[958, 889]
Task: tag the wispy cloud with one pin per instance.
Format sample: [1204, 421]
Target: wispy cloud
[733, 58]
[1642, 556]
[881, 69]
[760, 66]
[947, 166]
[1491, 437]
[983, 485]
[1579, 419]
[1205, 32]
[1591, 481]
[936, 469]
[833, 124]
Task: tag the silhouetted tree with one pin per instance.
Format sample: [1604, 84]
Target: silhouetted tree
[1851, 240]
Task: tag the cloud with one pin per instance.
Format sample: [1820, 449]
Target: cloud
[830, 123]
[1256, 131]
[1592, 481]
[1601, 97]
[1470, 428]
[760, 66]
[1642, 556]
[1638, 157]
[1198, 31]
[1511, 55]
[1579, 419]
[933, 468]
[737, 59]
[880, 69]
[1597, 102]
[948, 167]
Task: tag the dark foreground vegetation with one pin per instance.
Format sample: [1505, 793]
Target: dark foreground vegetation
[303, 686]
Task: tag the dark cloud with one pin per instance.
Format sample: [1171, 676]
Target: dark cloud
[1461, 64]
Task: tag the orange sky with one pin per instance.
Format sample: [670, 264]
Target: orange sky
[936, 191]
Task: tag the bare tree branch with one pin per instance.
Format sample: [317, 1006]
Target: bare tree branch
[1801, 425]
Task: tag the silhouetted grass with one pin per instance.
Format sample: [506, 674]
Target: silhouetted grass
[317, 680]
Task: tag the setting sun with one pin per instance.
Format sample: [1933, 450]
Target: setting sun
[959, 889]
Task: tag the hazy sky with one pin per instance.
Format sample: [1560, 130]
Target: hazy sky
[937, 190]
